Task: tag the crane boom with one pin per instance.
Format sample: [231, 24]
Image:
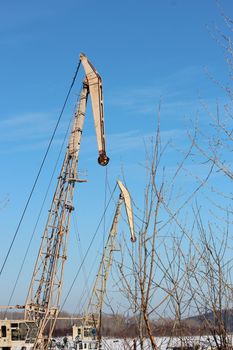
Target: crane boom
[43, 300]
[128, 208]
[94, 82]
[95, 305]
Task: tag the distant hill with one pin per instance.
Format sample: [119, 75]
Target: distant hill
[215, 319]
[121, 326]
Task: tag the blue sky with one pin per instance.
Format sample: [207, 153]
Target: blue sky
[145, 52]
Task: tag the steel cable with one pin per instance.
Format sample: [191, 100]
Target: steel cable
[38, 218]
[88, 249]
[40, 169]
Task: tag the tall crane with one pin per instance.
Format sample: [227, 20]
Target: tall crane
[85, 333]
[43, 299]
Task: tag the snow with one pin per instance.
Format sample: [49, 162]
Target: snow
[163, 343]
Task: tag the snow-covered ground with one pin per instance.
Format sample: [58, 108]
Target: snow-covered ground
[163, 343]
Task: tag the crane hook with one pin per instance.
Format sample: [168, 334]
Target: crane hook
[103, 159]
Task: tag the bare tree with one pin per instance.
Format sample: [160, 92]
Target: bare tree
[210, 281]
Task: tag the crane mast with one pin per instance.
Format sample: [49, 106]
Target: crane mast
[96, 301]
[43, 300]
[92, 315]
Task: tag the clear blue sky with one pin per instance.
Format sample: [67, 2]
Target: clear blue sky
[144, 50]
